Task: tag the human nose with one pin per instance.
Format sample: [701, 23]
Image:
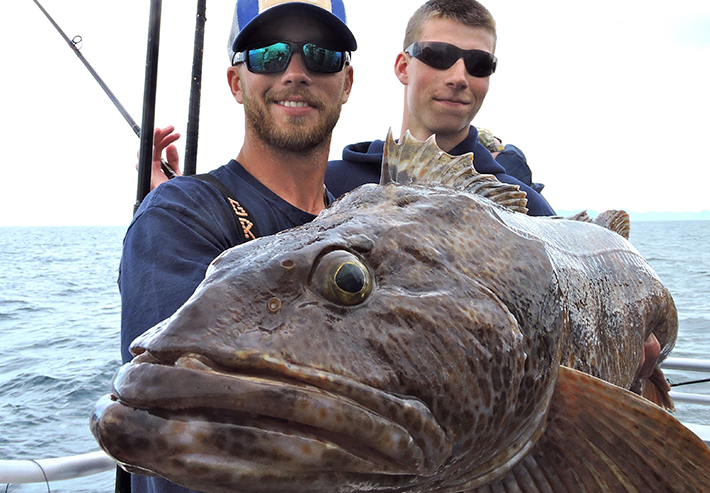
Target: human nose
[457, 76]
[296, 71]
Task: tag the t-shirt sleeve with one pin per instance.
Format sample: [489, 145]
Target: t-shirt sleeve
[166, 252]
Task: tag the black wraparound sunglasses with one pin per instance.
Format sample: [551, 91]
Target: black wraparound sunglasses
[274, 57]
[442, 56]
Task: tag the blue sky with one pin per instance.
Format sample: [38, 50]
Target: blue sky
[608, 100]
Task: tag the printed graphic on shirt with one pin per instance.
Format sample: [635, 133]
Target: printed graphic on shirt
[244, 222]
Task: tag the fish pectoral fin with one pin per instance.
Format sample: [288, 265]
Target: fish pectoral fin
[600, 437]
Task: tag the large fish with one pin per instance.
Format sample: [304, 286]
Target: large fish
[420, 335]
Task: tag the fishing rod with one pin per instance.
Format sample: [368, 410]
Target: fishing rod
[704, 380]
[149, 95]
[73, 44]
[193, 120]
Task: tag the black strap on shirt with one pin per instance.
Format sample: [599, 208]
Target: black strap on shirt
[246, 225]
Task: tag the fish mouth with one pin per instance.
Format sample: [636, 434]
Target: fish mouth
[268, 414]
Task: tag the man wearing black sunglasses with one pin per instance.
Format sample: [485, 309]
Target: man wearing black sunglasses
[445, 67]
[290, 70]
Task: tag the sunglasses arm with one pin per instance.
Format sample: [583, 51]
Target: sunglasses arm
[238, 57]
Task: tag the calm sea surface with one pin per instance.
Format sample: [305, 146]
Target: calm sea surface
[59, 331]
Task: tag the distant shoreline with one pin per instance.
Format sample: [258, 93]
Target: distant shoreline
[651, 216]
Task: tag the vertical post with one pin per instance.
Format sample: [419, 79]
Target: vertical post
[123, 481]
[151, 81]
[193, 121]
[145, 161]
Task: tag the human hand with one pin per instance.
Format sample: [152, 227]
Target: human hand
[163, 139]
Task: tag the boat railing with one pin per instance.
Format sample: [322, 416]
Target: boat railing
[686, 364]
[694, 365]
[76, 466]
[57, 469]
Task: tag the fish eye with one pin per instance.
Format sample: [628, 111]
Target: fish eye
[342, 278]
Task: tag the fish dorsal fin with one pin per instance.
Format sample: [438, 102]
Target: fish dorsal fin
[613, 220]
[581, 217]
[413, 161]
[600, 437]
[617, 221]
[385, 176]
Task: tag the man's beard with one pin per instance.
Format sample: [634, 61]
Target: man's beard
[298, 135]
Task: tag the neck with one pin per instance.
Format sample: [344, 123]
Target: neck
[296, 177]
[446, 141]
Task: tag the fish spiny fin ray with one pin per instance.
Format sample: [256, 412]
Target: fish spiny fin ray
[423, 163]
[385, 177]
[600, 437]
[617, 221]
[582, 216]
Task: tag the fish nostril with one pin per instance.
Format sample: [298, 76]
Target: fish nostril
[288, 264]
[274, 305]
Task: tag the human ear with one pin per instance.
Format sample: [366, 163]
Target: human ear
[348, 84]
[401, 68]
[234, 79]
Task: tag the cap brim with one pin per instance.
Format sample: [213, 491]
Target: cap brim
[339, 28]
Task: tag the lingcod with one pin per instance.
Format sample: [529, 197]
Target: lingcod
[421, 335]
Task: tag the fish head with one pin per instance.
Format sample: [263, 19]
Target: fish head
[405, 339]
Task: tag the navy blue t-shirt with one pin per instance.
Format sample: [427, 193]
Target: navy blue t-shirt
[362, 164]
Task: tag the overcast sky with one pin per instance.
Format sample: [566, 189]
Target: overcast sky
[609, 100]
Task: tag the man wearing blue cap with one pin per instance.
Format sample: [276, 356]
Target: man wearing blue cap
[290, 70]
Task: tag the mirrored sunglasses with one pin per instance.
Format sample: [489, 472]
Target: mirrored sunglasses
[442, 56]
[275, 57]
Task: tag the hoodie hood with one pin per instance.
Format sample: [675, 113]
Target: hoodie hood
[364, 152]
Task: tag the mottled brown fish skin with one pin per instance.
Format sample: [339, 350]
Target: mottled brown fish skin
[614, 299]
[408, 339]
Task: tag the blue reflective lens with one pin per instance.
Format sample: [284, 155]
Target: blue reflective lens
[275, 57]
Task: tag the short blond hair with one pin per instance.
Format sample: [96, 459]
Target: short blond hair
[468, 12]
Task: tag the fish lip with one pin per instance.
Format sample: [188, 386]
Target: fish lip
[395, 434]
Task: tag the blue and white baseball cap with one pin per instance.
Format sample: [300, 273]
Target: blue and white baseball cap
[250, 14]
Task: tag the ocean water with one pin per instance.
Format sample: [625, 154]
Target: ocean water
[59, 342]
[59, 332]
[677, 250]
